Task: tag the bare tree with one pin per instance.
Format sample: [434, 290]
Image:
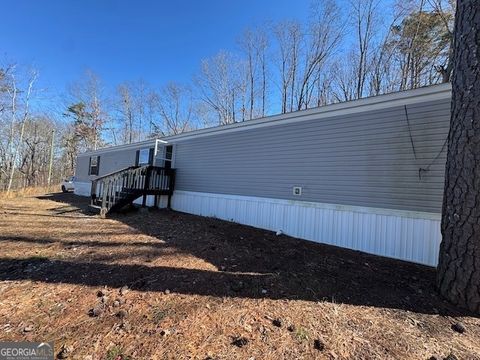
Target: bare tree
[247, 44]
[254, 45]
[152, 116]
[176, 106]
[261, 48]
[25, 135]
[323, 35]
[14, 92]
[289, 37]
[365, 16]
[35, 155]
[127, 112]
[69, 143]
[384, 75]
[89, 109]
[221, 84]
[345, 76]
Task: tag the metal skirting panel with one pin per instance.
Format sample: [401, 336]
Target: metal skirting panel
[162, 201]
[410, 236]
[82, 188]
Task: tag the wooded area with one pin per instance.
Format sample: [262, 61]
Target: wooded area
[338, 55]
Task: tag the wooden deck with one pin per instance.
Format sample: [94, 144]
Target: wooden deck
[116, 190]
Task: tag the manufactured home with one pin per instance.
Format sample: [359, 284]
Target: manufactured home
[365, 174]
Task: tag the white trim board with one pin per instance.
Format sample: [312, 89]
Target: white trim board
[410, 236]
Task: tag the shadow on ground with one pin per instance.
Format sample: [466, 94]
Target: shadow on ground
[251, 263]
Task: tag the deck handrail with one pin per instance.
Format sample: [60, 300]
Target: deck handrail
[93, 192]
[130, 183]
[114, 172]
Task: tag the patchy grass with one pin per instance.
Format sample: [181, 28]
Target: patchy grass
[116, 353]
[165, 285]
[158, 314]
[301, 334]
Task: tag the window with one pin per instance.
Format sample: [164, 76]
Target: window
[168, 156]
[94, 165]
[144, 157]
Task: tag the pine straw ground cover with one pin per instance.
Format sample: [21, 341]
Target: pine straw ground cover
[165, 285]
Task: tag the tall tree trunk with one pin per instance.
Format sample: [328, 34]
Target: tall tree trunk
[458, 276]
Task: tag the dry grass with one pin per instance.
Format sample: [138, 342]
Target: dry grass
[28, 191]
[198, 284]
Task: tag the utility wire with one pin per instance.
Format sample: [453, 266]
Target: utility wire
[427, 168]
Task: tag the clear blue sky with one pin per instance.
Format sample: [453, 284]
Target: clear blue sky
[156, 41]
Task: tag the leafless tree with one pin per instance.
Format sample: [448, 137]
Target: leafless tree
[345, 76]
[323, 35]
[261, 48]
[384, 75]
[127, 112]
[289, 37]
[365, 16]
[35, 155]
[176, 106]
[89, 109]
[254, 45]
[247, 44]
[222, 85]
[17, 139]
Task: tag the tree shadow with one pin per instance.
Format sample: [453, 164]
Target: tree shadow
[68, 243]
[72, 205]
[251, 263]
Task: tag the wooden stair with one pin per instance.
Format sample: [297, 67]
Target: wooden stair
[114, 191]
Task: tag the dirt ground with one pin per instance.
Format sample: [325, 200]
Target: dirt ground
[165, 285]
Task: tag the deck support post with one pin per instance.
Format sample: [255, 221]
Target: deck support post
[146, 185]
[171, 185]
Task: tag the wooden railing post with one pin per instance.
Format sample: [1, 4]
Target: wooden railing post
[104, 210]
[146, 185]
[93, 192]
[171, 185]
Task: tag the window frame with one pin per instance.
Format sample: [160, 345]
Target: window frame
[96, 167]
[169, 156]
